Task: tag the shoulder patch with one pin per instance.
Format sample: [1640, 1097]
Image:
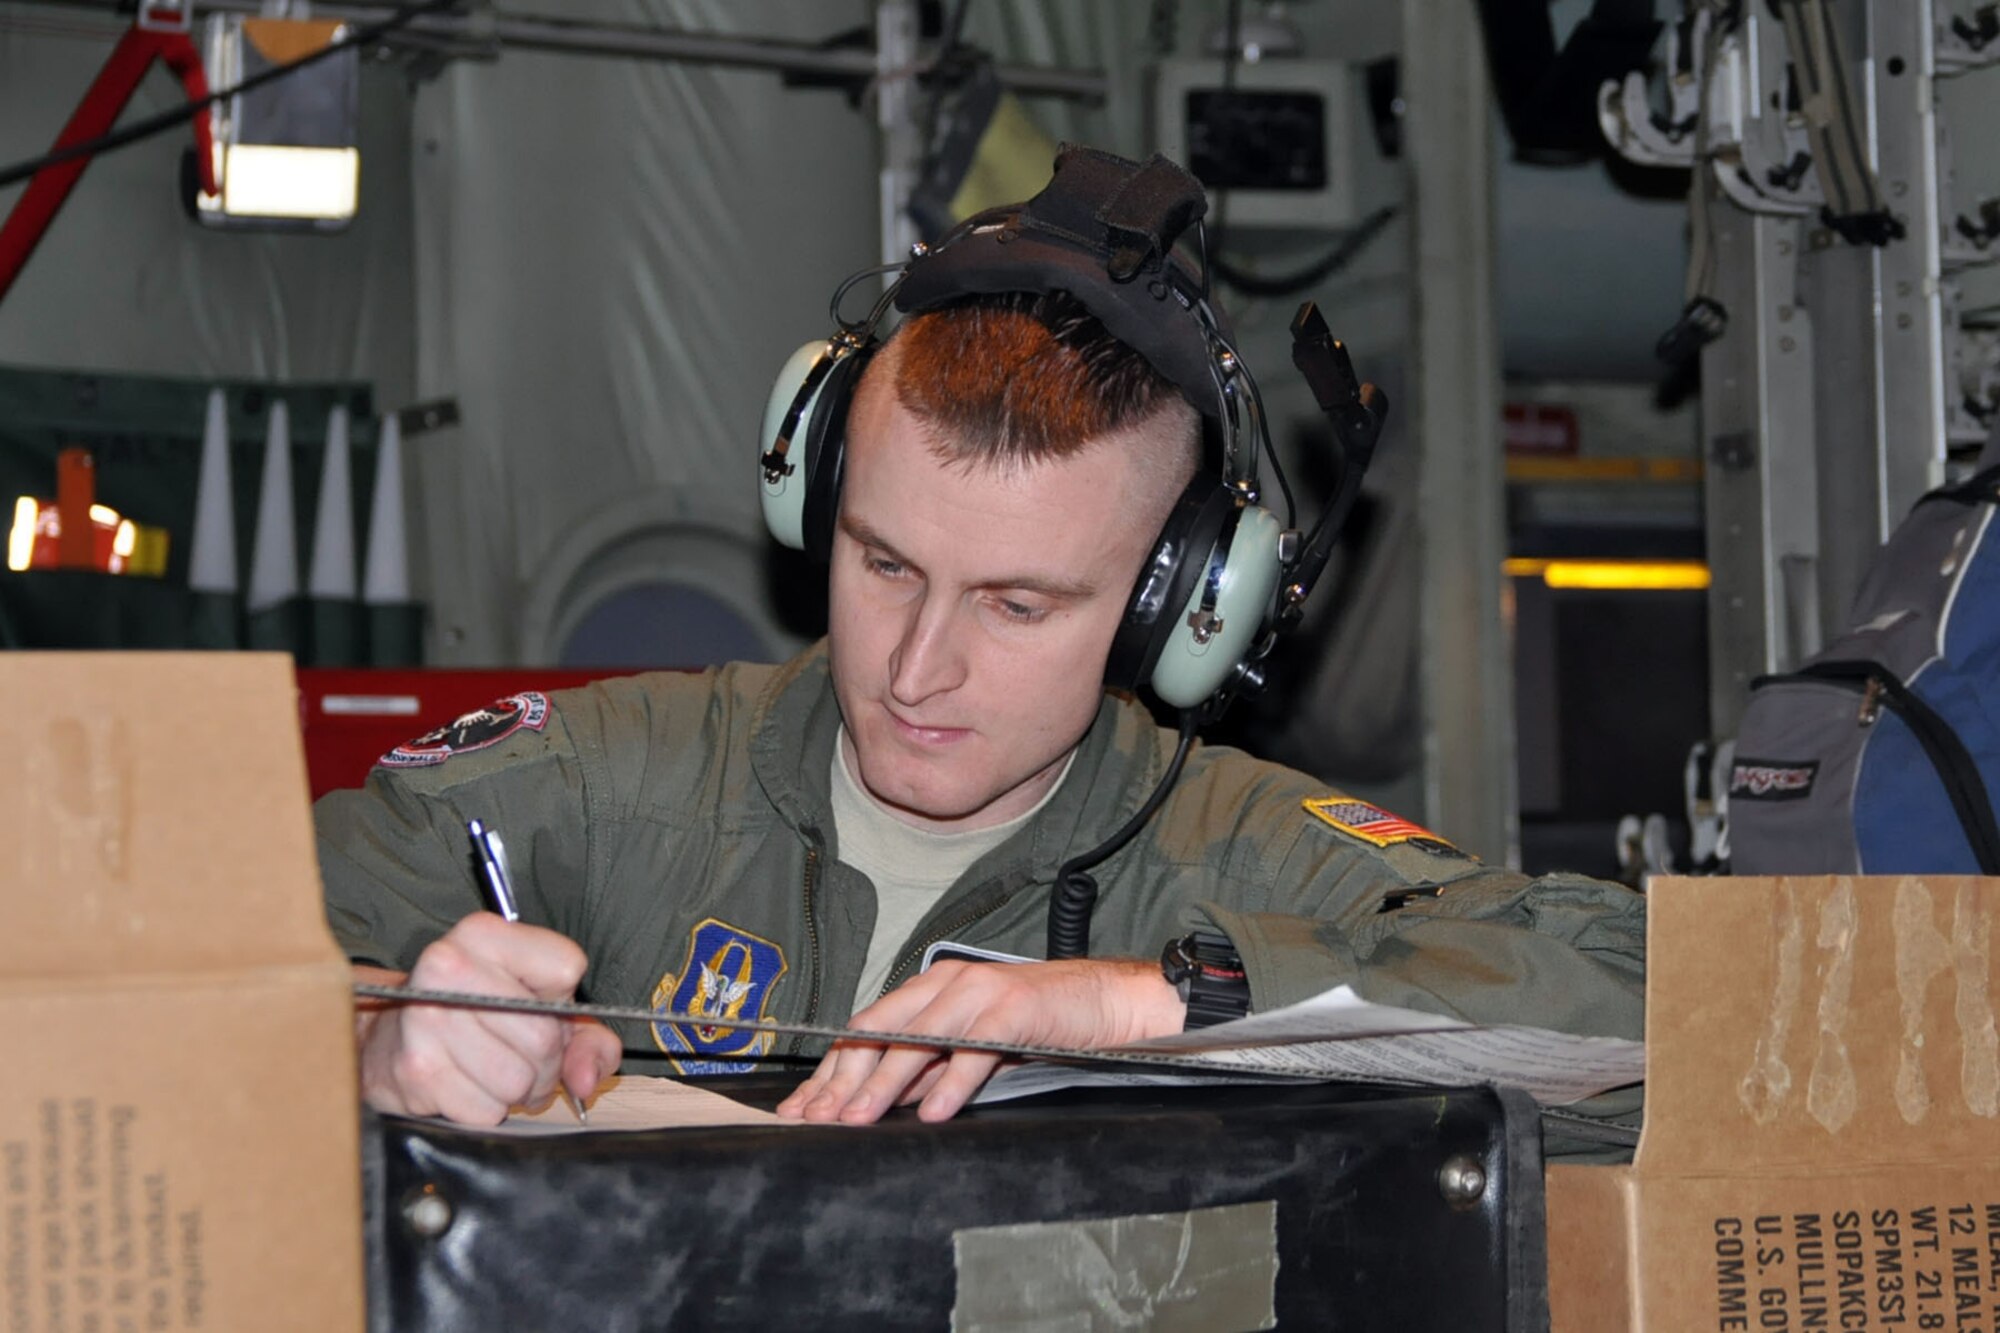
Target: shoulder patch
[729, 973]
[474, 731]
[1372, 824]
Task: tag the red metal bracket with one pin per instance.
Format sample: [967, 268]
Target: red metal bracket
[160, 32]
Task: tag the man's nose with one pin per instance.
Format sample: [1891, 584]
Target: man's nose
[928, 660]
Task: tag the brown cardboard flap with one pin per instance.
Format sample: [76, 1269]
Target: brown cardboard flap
[183, 1155]
[1824, 1023]
[1591, 1210]
[153, 815]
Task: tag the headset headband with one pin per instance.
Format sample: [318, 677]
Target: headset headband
[1104, 234]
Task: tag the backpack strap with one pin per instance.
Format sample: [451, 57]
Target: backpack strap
[1983, 485]
[1947, 753]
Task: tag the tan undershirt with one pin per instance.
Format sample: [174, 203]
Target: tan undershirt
[910, 867]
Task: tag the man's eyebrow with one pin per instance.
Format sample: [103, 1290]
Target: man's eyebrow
[1061, 589]
[1064, 590]
[858, 529]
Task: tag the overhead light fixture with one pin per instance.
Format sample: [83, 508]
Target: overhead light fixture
[286, 154]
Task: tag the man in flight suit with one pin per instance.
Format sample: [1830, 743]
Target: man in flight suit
[785, 841]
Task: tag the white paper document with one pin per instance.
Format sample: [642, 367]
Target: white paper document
[626, 1101]
[1338, 1035]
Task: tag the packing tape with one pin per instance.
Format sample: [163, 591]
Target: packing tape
[1207, 1268]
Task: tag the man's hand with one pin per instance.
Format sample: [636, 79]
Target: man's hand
[471, 1065]
[1076, 1004]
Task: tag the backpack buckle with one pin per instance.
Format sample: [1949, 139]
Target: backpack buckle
[1871, 703]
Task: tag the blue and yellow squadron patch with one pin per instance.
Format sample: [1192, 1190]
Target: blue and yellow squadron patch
[1372, 824]
[728, 974]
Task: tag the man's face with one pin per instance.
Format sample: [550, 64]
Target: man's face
[972, 610]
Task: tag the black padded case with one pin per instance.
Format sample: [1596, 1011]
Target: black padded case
[830, 1228]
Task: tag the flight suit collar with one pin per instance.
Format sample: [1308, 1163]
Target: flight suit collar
[792, 734]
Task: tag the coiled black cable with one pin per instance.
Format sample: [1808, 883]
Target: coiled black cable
[1075, 894]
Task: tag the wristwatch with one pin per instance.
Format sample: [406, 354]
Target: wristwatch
[1204, 968]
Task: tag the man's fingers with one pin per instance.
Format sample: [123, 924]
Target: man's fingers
[455, 1070]
[540, 962]
[1075, 1004]
[794, 1105]
[963, 1075]
[848, 1065]
[924, 1083]
[896, 1070]
[471, 1065]
[824, 1095]
[539, 1038]
[954, 1009]
[857, 1084]
[467, 1101]
[593, 1055]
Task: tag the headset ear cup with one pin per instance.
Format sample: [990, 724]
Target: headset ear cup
[1245, 566]
[807, 408]
[793, 398]
[826, 452]
[1173, 570]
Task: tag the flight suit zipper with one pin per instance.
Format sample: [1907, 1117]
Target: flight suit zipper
[899, 973]
[812, 938]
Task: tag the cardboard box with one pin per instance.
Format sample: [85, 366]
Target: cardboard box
[178, 1124]
[1822, 1139]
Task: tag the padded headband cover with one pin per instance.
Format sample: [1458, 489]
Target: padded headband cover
[1103, 230]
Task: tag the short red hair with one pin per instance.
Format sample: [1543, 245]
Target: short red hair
[1025, 377]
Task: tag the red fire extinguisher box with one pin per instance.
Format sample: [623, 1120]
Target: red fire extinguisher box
[353, 716]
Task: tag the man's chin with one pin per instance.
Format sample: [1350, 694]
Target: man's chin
[922, 802]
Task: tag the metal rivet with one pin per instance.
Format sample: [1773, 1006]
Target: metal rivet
[427, 1212]
[1462, 1181]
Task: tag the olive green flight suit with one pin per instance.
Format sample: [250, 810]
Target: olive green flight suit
[678, 826]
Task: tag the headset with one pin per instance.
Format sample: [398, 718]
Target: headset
[1200, 614]
[1224, 576]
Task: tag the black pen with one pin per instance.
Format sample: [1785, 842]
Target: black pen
[492, 856]
[493, 869]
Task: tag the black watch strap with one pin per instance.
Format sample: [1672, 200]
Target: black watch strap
[1204, 967]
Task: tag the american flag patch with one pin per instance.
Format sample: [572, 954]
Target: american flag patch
[1370, 823]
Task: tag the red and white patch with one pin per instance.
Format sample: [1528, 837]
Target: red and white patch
[1371, 823]
[477, 730]
[1771, 780]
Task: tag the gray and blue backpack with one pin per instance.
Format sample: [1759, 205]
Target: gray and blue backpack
[1879, 755]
